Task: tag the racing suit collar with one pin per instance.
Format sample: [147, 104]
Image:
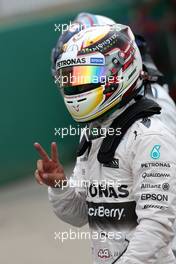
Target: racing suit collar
[94, 130]
[105, 121]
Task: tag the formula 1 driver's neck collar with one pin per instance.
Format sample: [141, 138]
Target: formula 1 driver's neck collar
[106, 120]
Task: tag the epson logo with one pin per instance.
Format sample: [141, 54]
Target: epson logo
[70, 62]
[108, 191]
[97, 60]
[154, 197]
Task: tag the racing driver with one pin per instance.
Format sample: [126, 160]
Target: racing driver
[128, 174]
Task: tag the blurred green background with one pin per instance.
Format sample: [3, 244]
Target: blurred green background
[31, 106]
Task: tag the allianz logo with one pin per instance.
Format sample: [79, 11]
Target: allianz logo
[150, 186]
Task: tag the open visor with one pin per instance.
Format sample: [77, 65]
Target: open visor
[81, 75]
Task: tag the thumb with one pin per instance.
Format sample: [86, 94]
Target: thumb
[40, 165]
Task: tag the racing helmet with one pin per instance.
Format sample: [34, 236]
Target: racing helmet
[82, 21]
[98, 69]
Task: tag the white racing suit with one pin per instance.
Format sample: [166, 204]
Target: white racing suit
[132, 199]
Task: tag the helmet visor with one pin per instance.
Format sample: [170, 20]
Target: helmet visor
[80, 75]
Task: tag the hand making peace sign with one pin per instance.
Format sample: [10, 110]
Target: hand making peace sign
[49, 170]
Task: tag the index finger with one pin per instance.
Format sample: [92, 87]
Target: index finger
[41, 152]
